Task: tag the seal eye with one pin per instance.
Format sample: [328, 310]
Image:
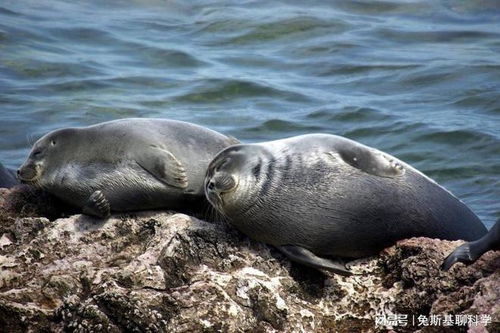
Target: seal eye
[37, 153]
[53, 142]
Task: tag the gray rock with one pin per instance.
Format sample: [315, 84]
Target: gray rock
[167, 272]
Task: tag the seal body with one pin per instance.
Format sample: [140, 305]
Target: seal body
[124, 165]
[7, 177]
[325, 195]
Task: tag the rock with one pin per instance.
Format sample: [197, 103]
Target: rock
[168, 272]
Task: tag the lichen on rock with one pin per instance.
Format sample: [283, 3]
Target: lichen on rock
[163, 271]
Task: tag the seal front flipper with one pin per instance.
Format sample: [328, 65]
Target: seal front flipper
[97, 205]
[369, 160]
[306, 257]
[163, 165]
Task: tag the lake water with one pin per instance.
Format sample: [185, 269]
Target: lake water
[418, 79]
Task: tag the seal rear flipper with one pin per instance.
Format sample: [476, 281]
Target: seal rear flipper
[97, 205]
[369, 160]
[163, 165]
[306, 257]
[460, 254]
[468, 253]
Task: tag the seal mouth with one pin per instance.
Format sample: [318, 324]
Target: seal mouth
[214, 198]
[217, 186]
[216, 201]
[28, 174]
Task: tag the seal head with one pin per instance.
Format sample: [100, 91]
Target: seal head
[46, 152]
[233, 178]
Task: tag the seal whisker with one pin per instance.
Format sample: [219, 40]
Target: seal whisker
[206, 214]
[28, 139]
[38, 184]
[213, 214]
[220, 216]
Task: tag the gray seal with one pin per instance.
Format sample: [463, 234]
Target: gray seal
[125, 165]
[469, 252]
[320, 195]
[7, 177]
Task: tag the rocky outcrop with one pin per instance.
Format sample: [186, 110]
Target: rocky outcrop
[162, 271]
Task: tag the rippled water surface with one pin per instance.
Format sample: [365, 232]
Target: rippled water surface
[418, 79]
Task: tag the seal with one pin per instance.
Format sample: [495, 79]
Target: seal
[125, 165]
[7, 177]
[469, 252]
[318, 196]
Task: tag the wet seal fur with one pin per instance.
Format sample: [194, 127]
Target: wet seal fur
[125, 165]
[320, 195]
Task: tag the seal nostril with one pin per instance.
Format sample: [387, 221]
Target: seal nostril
[211, 185]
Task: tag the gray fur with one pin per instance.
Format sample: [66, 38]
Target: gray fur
[134, 164]
[332, 196]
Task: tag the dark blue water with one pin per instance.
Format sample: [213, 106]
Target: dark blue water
[418, 79]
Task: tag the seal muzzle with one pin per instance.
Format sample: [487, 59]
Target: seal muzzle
[27, 173]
